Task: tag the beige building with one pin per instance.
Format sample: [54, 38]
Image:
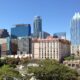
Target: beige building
[52, 48]
[75, 64]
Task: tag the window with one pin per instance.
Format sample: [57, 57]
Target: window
[73, 65]
[77, 65]
[69, 64]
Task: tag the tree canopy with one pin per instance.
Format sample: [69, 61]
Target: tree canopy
[6, 71]
[52, 70]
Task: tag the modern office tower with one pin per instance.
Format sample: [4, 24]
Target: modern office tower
[52, 48]
[75, 34]
[24, 45]
[21, 30]
[37, 26]
[61, 35]
[4, 33]
[43, 34]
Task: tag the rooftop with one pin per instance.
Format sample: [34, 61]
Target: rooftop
[76, 16]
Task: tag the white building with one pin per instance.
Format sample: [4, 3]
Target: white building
[52, 48]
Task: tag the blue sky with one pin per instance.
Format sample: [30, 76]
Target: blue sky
[56, 14]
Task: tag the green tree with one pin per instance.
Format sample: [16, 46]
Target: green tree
[24, 60]
[52, 70]
[6, 71]
[69, 57]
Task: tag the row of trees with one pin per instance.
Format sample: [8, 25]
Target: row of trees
[14, 61]
[7, 68]
[47, 70]
[8, 73]
[52, 70]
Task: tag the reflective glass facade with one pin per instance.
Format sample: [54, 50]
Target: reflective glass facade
[37, 26]
[43, 35]
[21, 30]
[60, 35]
[75, 29]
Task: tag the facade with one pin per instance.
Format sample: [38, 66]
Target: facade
[61, 35]
[52, 48]
[75, 50]
[5, 46]
[4, 50]
[43, 35]
[37, 26]
[75, 34]
[75, 64]
[13, 46]
[24, 46]
[3, 40]
[4, 33]
[21, 30]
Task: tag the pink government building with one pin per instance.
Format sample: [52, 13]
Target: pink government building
[51, 48]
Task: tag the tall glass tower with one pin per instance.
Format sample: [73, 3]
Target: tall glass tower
[37, 26]
[75, 35]
[75, 29]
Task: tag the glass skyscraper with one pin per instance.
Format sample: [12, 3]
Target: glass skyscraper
[75, 29]
[75, 35]
[21, 30]
[37, 26]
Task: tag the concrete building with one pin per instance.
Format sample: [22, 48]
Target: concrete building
[75, 34]
[52, 48]
[24, 45]
[5, 46]
[4, 33]
[3, 40]
[74, 64]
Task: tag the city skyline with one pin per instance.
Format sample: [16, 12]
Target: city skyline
[56, 15]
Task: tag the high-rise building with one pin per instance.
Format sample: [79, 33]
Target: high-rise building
[21, 30]
[75, 29]
[37, 26]
[4, 33]
[75, 34]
